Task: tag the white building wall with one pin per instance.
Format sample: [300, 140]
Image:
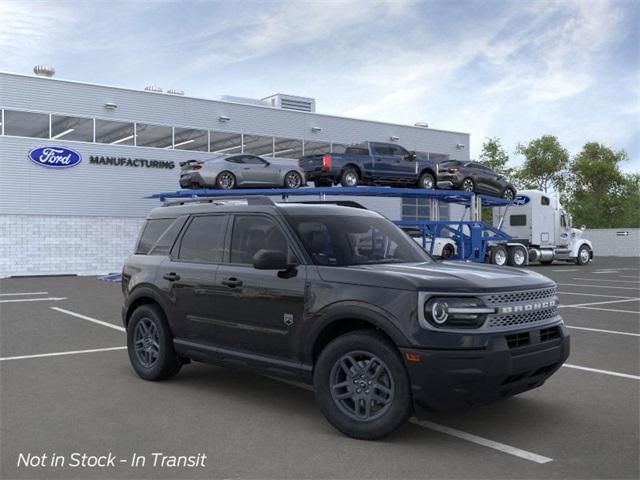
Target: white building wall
[613, 241]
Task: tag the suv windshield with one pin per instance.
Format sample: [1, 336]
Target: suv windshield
[342, 240]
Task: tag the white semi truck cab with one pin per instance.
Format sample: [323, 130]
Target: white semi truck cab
[540, 226]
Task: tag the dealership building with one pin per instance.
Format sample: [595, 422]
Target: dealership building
[127, 144]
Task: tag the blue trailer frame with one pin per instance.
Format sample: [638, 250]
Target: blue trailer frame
[472, 237]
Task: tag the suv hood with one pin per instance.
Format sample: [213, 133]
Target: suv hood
[447, 276]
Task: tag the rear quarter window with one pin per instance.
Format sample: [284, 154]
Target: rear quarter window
[151, 232]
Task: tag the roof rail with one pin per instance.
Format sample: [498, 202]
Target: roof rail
[219, 200]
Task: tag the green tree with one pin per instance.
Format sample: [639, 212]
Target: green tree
[494, 156]
[600, 195]
[545, 164]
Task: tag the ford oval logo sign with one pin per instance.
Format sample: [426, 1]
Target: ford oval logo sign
[55, 157]
[521, 200]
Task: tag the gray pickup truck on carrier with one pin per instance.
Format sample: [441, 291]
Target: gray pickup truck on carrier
[371, 163]
[339, 298]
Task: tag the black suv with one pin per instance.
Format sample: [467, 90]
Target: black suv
[474, 177]
[339, 298]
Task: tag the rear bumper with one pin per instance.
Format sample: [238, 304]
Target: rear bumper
[449, 181]
[192, 180]
[450, 379]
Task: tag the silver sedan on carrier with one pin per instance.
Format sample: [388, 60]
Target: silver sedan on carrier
[241, 170]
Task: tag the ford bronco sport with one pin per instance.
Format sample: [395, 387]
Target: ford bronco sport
[341, 299]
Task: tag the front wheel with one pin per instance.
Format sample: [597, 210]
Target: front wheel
[584, 255]
[150, 344]
[448, 251]
[362, 386]
[293, 180]
[427, 181]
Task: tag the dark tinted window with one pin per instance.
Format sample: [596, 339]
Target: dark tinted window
[398, 151]
[204, 239]
[253, 160]
[356, 151]
[544, 200]
[235, 160]
[518, 220]
[379, 149]
[252, 233]
[340, 240]
[167, 239]
[151, 233]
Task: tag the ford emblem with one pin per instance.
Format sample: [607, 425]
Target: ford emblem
[521, 200]
[55, 157]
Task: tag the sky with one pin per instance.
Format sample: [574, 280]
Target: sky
[514, 70]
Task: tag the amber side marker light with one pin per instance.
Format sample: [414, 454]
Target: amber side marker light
[412, 357]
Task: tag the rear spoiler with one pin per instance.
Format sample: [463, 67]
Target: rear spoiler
[188, 162]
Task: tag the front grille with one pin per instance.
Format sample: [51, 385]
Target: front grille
[517, 297]
[523, 318]
[516, 340]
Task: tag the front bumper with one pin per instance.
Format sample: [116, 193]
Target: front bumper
[449, 379]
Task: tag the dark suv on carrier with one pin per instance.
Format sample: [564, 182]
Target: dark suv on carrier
[339, 298]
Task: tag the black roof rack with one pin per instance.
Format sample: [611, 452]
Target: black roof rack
[221, 200]
[341, 203]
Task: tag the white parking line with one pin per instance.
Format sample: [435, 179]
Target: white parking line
[606, 372]
[567, 270]
[89, 319]
[598, 286]
[610, 310]
[604, 272]
[605, 280]
[604, 331]
[18, 300]
[599, 303]
[57, 354]
[516, 452]
[628, 276]
[592, 295]
[23, 293]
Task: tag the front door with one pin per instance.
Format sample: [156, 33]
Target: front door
[258, 310]
[257, 171]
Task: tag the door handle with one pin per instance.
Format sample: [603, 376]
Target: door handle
[172, 276]
[232, 282]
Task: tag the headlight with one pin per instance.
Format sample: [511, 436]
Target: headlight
[456, 312]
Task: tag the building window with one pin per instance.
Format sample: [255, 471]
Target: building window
[190, 139]
[258, 145]
[287, 148]
[225, 142]
[315, 148]
[114, 133]
[157, 136]
[26, 124]
[415, 209]
[71, 128]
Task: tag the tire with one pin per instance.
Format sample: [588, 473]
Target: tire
[427, 181]
[517, 256]
[499, 255]
[344, 360]
[584, 255]
[448, 251]
[226, 180]
[546, 262]
[293, 180]
[468, 185]
[148, 332]
[349, 177]
[508, 194]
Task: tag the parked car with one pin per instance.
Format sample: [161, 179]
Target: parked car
[341, 299]
[370, 163]
[443, 247]
[241, 170]
[474, 177]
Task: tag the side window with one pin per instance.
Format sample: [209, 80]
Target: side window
[204, 239]
[544, 201]
[518, 220]
[151, 232]
[238, 159]
[167, 239]
[380, 149]
[251, 160]
[252, 233]
[563, 220]
[399, 151]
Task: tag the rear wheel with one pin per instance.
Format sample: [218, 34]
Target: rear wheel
[150, 344]
[468, 185]
[499, 255]
[509, 194]
[517, 256]
[448, 251]
[427, 181]
[293, 179]
[226, 180]
[584, 255]
[349, 178]
[362, 386]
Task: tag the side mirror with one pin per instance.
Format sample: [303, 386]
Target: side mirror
[412, 156]
[270, 260]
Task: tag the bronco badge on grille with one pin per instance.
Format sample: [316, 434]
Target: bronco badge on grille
[527, 307]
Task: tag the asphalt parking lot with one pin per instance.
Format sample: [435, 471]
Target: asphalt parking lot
[66, 386]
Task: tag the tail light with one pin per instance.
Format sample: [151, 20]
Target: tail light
[196, 167]
[299, 162]
[454, 170]
[326, 161]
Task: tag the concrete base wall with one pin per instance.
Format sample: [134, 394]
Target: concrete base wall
[50, 245]
[613, 242]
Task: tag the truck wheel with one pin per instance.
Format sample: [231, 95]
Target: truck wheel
[349, 178]
[150, 344]
[448, 251]
[517, 256]
[362, 386]
[427, 181]
[499, 255]
[468, 185]
[584, 255]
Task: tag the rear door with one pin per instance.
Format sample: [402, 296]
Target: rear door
[189, 275]
[258, 310]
